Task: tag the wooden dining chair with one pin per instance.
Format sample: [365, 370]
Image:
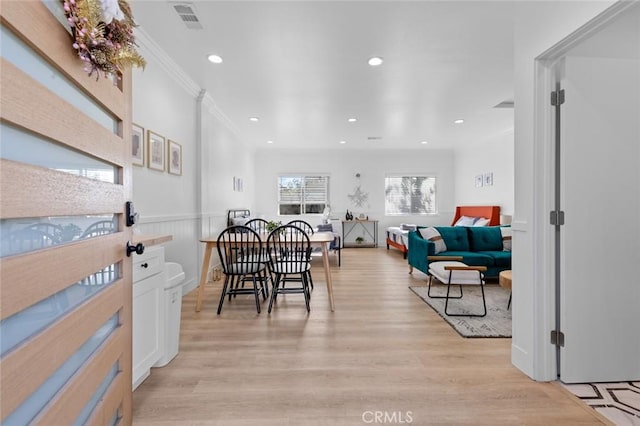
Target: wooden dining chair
[240, 250]
[289, 250]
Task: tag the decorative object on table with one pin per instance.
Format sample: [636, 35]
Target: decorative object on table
[479, 181]
[497, 322]
[103, 35]
[137, 145]
[155, 151]
[174, 155]
[359, 240]
[272, 225]
[326, 213]
[488, 179]
[359, 197]
[348, 216]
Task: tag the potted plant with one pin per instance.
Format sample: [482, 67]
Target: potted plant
[272, 225]
[359, 240]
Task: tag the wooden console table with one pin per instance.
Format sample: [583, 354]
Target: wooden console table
[366, 229]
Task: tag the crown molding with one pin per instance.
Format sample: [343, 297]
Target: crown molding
[167, 64]
[183, 79]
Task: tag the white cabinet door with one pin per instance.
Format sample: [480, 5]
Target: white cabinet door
[148, 312]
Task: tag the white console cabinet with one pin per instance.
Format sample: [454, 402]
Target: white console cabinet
[149, 278]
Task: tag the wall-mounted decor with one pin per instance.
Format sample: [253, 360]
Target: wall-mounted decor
[137, 145]
[479, 181]
[488, 179]
[175, 158]
[359, 198]
[155, 150]
[238, 184]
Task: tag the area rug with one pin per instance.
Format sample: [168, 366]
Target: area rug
[497, 322]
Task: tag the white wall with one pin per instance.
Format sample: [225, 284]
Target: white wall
[492, 156]
[193, 205]
[342, 166]
[167, 203]
[539, 25]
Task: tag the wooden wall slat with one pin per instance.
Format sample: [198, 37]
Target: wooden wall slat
[53, 117]
[53, 346]
[66, 406]
[110, 404]
[41, 30]
[32, 191]
[47, 271]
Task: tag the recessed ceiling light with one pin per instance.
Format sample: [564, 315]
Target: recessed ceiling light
[375, 61]
[343, 142]
[424, 142]
[269, 141]
[215, 59]
[352, 120]
[459, 121]
[254, 119]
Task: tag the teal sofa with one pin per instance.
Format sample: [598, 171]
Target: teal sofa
[478, 246]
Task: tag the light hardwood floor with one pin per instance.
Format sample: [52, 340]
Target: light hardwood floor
[382, 350]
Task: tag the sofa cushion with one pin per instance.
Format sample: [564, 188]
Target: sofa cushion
[500, 258]
[455, 237]
[466, 221]
[486, 238]
[433, 235]
[471, 258]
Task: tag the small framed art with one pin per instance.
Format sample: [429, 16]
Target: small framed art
[137, 145]
[479, 181]
[175, 158]
[488, 179]
[156, 151]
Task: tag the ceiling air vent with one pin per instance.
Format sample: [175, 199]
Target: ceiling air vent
[187, 13]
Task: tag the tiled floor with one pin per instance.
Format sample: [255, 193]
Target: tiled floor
[619, 402]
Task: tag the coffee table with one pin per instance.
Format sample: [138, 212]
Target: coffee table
[504, 278]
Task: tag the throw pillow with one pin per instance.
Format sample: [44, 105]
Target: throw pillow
[465, 221]
[506, 238]
[433, 235]
[408, 227]
[481, 222]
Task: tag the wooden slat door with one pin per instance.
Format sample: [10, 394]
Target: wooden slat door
[41, 379]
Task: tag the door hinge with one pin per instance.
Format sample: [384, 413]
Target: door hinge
[557, 97]
[556, 217]
[557, 338]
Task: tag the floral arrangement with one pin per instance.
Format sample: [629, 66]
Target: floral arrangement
[103, 35]
[272, 225]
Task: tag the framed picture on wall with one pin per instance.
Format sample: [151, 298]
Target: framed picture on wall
[137, 145]
[175, 158]
[155, 150]
[479, 181]
[488, 179]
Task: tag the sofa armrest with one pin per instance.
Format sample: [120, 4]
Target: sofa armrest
[419, 250]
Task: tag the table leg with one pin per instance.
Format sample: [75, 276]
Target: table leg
[203, 275]
[327, 274]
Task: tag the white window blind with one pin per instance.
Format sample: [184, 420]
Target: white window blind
[302, 194]
[410, 195]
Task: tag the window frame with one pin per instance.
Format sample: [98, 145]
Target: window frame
[303, 202]
[433, 176]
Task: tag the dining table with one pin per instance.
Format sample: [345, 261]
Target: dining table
[321, 239]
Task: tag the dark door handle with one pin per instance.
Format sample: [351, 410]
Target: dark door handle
[138, 248]
[144, 265]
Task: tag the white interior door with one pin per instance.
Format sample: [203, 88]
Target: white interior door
[600, 195]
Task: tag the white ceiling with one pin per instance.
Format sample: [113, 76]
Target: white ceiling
[301, 67]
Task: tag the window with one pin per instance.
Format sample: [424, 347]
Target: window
[299, 195]
[405, 195]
